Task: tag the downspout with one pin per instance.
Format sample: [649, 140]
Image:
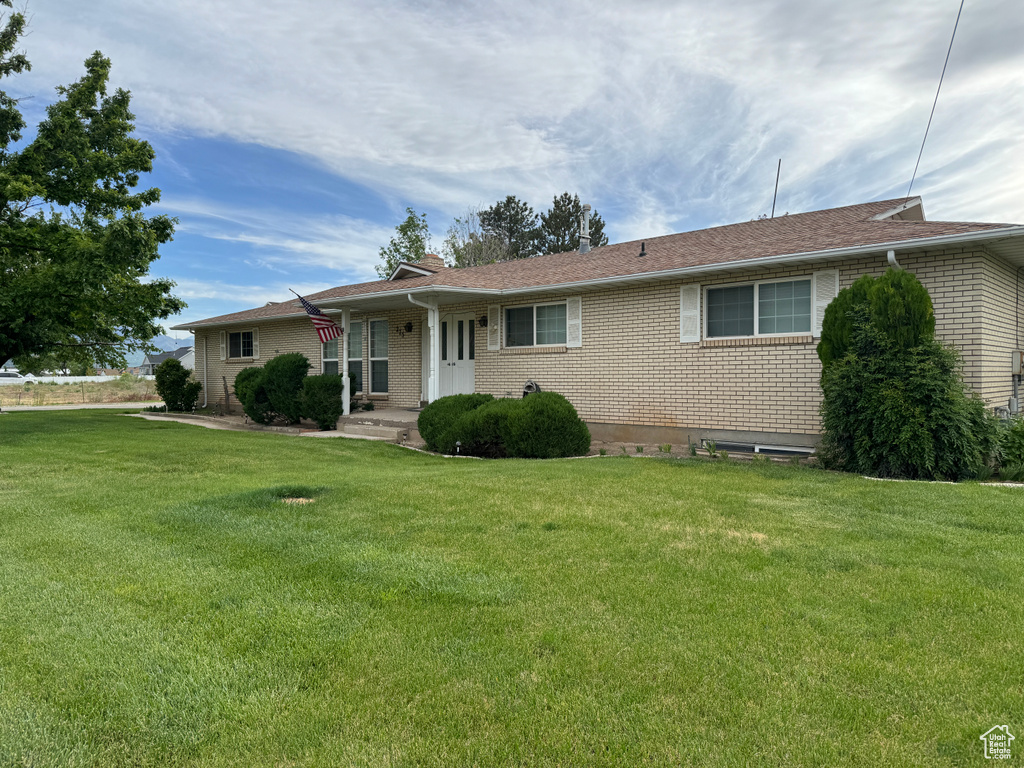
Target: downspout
[433, 327]
[891, 256]
[205, 337]
[346, 384]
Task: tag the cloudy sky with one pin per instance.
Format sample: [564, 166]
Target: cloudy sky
[290, 137]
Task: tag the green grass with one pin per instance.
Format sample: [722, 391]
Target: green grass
[162, 606]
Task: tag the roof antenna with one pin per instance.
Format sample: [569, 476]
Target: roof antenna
[643, 250]
[777, 172]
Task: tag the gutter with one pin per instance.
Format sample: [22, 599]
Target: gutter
[720, 266]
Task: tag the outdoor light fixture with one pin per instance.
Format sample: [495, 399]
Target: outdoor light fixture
[483, 321]
[408, 327]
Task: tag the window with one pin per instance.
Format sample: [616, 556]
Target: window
[539, 325]
[329, 358]
[379, 356]
[464, 342]
[782, 307]
[355, 355]
[240, 344]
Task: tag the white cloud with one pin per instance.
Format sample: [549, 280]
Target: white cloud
[244, 295]
[339, 243]
[673, 113]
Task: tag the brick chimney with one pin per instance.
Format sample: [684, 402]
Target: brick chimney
[431, 261]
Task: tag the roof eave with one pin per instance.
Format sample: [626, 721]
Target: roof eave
[903, 246]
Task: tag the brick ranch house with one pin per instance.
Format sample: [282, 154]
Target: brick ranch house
[705, 334]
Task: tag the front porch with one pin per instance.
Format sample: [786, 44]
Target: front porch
[395, 425]
[404, 353]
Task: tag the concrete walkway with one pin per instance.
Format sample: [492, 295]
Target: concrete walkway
[208, 423]
[234, 426]
[80, 406]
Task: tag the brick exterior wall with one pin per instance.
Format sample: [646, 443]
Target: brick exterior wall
[298, 335]
[633, 370]
[999, 331]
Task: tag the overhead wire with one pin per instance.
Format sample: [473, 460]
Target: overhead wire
[936, 101]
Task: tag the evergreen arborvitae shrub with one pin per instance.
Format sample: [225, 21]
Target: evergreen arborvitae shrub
[321, 400]
[283, 377]
[442, 414]
[902, 309]
[546, 426]
[837, 325]
[897, 304]
[175, 385]
[252, 395]
[889, 411]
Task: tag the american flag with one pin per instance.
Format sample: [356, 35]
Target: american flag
[326, 328]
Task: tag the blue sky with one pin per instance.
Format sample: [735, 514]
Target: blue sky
[291, 137]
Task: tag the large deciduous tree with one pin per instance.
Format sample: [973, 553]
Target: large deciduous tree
[513, 223]
[411, 242]
[560, 226]
[467, 245]
[75, 245]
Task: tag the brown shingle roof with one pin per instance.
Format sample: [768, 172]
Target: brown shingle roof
[835, 228]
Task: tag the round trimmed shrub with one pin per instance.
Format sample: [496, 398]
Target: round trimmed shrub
[481, 431]
[175, 385]
[545, 426]
[283, 377]
[321, 400]
[252, 395]
[442, 414]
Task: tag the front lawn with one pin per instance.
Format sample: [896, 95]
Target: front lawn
[162, 605]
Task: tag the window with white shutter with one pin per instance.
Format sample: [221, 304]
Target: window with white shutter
[493, 327]
[826, 288]
[689, 313]
[574, 322]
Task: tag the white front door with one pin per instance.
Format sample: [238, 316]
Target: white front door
[458, 353]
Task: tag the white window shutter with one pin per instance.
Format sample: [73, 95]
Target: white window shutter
[574, 322]
[255, 343]
[689, 313]
[825, 288]
[223, 345]
[493, 327]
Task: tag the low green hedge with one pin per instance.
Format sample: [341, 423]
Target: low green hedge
[321, 400]
[284, 376]
[273, 391]
[543, 425]
[546, 426]
[441, 414]
[480, 432]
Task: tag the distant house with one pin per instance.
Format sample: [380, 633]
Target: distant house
[705, 334]
[185, 355]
